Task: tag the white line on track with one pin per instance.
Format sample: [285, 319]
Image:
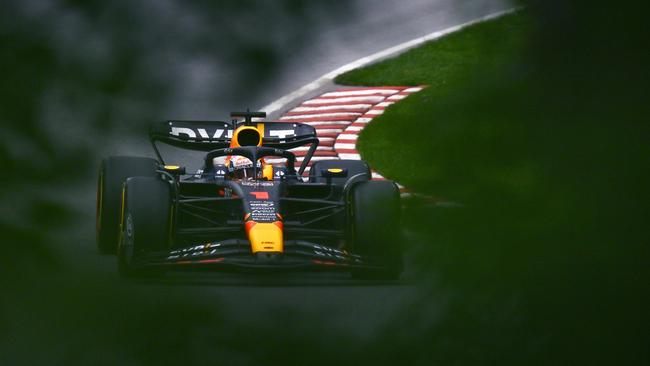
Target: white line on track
[344, 136]
[321, 115]
[391, 51]
[322, 123]
[329, 130]
[340, 146]
[330, 107]
[350, 156]
[341, 100]
[350, 93]
[412, 90]
[317, 158]
[320, 148]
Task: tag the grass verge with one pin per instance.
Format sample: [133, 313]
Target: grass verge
[406, 142]
[544, 147]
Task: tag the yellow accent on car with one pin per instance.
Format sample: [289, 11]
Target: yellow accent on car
[267, 172]
[242, 130]
[172, 167]
[122, 207]
[266, 237]
[260, 129]
[335, 170]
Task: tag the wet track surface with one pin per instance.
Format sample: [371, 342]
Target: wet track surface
[326, 300]
[319, 300]
[545, 263]
[332, 303]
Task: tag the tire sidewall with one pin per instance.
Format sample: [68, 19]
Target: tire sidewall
[375, 227]
[113, 173]
[145, 223]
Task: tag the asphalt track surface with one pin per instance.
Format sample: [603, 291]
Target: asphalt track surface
[331, 302]
[378, 25]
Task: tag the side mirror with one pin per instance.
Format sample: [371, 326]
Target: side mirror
[334, 172]
[174, 169]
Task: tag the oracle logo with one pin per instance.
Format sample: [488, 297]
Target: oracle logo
[205, 134]
[202, 132]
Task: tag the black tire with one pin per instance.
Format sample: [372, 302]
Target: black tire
[376, 229]
[112, 174]
[145, 225]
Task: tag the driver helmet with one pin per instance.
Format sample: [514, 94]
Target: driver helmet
[240, 167]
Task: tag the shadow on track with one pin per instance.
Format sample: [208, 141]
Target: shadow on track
[204, 278]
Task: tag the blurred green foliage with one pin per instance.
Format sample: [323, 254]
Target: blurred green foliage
[546, 262]
[545, 144]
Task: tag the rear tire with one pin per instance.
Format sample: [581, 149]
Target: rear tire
[376, 231]
[145, 223]
[112, 174]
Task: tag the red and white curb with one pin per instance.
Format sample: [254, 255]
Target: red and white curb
[339, 116]
[326, 79]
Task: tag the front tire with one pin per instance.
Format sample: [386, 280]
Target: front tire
[376, 229]
[112, 174]
[145, 223]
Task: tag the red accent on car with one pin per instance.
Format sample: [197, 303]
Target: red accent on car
[327, 263]
[261, 195]
[249, 225]
[215, 260]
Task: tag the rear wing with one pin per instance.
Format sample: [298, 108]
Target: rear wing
[212, 135]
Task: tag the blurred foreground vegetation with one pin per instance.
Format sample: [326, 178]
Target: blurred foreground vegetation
[536, 122]
[544, 144]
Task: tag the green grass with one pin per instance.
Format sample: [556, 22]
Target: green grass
[441, 64]
[421, 126]
[543, 145]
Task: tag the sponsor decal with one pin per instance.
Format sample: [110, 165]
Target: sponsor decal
[256, 183]
[203, 133]
[262, 211]
[282, 133]
[220, 133]
[201, 250]
[328, 252]
[129, 226]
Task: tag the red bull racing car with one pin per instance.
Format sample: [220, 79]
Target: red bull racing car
[239, 211]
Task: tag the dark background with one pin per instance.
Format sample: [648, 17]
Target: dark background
[82, 79]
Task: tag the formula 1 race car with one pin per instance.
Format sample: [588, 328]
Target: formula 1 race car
[240, 211]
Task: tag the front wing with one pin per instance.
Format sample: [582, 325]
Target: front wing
[236, 254]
